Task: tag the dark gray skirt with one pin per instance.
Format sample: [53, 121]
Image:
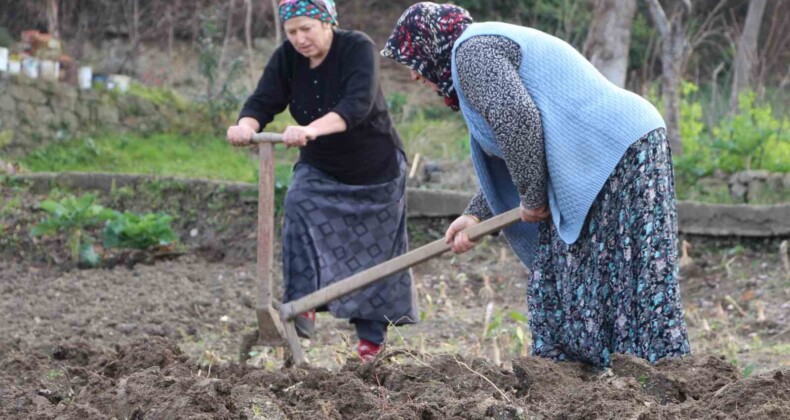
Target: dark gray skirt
[334, 230]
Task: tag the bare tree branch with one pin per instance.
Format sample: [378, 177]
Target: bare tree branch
[228, 34]
[52, 18]
[747, 50]
[276, 19]
[659, 17]
[248, 40]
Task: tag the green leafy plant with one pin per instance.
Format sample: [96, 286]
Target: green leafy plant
[130, 230]
[510, 331]
[697, 159]
[159, 96]
[496, 324]
[753, 138]
[73, 216]
[396, 102]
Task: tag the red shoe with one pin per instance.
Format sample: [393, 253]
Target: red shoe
[367, 351]
[305, 324]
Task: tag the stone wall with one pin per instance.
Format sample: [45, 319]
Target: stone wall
[36, 112]
[749, 186]
[757, 221]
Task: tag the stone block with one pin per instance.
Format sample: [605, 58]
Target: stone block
[7, 104]
[107, 116]
[28, 93]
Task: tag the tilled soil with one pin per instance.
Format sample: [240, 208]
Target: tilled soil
[151, 378]
[160, 342]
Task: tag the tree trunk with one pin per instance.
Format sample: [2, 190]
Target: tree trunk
[609, 38]
[672, 75]
[52, 18]
[276, 17]
[171, 25]
[746, 56]
[132, 16]
[228, 34]
[248, 39]
[673, 57]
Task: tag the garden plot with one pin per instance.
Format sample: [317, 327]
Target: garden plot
[161, 340]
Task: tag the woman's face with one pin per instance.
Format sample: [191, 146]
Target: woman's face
[311, 37]
[416, 76]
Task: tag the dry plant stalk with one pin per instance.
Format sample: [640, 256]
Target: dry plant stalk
[735, 305]
[783, 255]
[497, 357]
[482, 376]
[728, 266]
[415, 164]
[705, 325]
[487, 319]
[445, 300]
[407, 351]
[720, 313]
[760, 307]
[486, 292]
[476, 348]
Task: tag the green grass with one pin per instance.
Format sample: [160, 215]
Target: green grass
[435, 133]
[194, 156]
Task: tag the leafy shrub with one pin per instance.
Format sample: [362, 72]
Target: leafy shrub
[396, 102]
[73, 215]
[130, 230]
[697, 159]
[159, 96]
[752, 138]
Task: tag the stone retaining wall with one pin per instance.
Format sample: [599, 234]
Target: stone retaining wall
[37, 112]
[695, 218]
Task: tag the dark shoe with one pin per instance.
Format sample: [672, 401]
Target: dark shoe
[368, 351]
[305, 324]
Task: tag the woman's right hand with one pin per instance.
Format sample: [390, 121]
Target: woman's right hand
[458, 241]
[239, 135]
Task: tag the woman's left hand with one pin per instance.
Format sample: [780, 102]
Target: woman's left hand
[298, 136]
[535, 215]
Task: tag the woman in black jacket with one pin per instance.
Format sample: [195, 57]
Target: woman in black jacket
[345, 208]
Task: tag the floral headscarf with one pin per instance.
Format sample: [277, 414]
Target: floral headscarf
[423, 41]
[323, 10]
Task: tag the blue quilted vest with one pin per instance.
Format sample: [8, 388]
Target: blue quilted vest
[588, 124]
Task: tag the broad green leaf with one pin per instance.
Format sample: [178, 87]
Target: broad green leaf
[88, 255]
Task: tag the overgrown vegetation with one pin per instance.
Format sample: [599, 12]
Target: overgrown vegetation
[159, 96]
[77, 217]
[195, 156]
[753, 138]
[134, 231]
[73, 216]
[435, 132]
[222, 99]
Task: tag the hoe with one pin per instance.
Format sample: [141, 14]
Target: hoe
[275, 320]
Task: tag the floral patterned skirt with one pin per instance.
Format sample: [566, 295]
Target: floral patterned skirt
[615, 290]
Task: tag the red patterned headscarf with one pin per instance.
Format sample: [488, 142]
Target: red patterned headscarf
[423, 41]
